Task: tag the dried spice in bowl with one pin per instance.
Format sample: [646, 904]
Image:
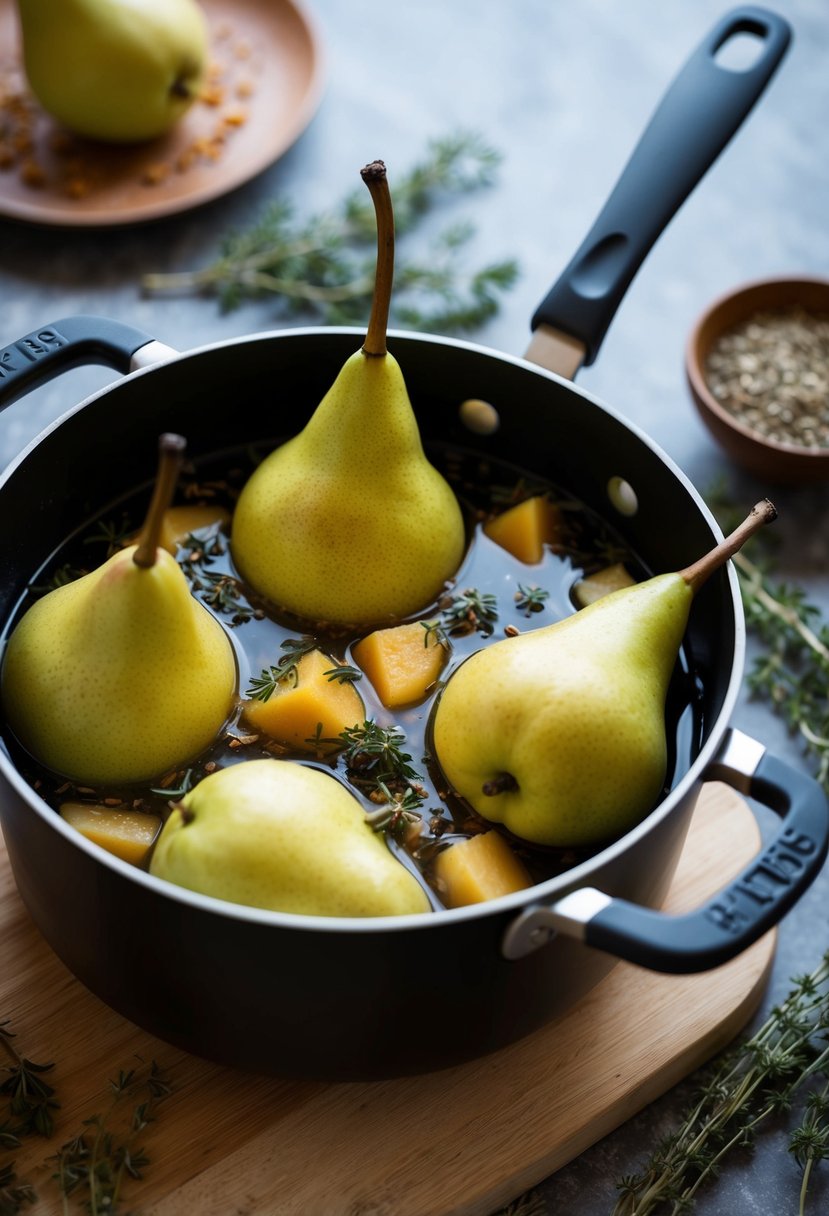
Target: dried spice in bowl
[757, 363]
[771, 373]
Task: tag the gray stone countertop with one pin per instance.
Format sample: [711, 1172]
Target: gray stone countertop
[563, 91]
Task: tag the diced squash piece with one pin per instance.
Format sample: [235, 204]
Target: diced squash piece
[126, 833]
[479, 868]
[591, 588]
[179, 522]
[401, 662]
[524, 530]
[297, 710]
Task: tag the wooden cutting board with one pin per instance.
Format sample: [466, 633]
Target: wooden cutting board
[460, 1142]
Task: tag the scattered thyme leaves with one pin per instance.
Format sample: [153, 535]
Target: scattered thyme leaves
[747, 1086]
[220, 590]
[791, 672]
[112, 533]
[263, 686]
[471, 611]
[14, 1194]
[178, 791]
[96, 1163]
[324, 266]
[398, 812]
[28, 1099]
[531, 599]
[378, 766]
[64, 574]
[343, 673]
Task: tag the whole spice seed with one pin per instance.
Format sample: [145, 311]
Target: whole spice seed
[771, 373]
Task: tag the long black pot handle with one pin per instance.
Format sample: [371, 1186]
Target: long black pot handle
[732, 919]
[696, 118]
[52, 349]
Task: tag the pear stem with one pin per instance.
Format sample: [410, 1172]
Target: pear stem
[170, 455]
[374, 175]
[761, 513]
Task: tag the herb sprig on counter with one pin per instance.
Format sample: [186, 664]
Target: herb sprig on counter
[791, 672]
[759, 1079]
[323, 266]
[95, 1164]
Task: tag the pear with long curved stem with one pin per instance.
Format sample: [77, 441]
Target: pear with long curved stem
[559, 733]
[348, 522]
[121, 674]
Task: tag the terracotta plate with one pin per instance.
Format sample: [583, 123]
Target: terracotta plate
[264, 87]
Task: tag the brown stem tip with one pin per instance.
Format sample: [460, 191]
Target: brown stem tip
[170, 455]
[698, 572]
[376, 171]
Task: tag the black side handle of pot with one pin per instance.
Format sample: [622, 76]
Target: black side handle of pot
[732, 919]
[52, 349]
[696, 118]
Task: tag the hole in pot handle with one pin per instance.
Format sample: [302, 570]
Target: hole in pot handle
[729, 921]
[52, 349]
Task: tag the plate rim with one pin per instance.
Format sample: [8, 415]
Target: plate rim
[40, 213]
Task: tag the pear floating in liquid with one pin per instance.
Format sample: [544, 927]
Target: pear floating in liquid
[280, 835]
[559, 733]
[114, 70]
[122, 673]
[348, 522]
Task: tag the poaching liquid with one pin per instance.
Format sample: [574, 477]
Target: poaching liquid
[433, 817]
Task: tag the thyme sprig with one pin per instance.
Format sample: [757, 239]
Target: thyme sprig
[324, 266]
[378, 765]
[97, 1162]
[758, 1079]
[263, 686]
[219, 589]
[26, 1110]
[792, 673]
[531, 599]
[14, 1194]
[28, 1099]
[470, 611]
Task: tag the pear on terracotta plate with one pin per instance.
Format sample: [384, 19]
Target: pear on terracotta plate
[559, 733]
[121, 674]
[115, 70]
[348, 522]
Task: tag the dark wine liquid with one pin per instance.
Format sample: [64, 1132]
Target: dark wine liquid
[484, 487]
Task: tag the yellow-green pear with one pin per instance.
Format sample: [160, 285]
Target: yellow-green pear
[348, 522]
[283, 836]
[559, 733]
[121, 674]
[115, 70]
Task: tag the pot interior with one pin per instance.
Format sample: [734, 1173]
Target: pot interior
[264, 388]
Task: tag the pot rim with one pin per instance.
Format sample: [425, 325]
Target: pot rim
[543, 892]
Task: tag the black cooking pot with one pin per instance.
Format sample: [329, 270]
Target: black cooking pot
[324, 997]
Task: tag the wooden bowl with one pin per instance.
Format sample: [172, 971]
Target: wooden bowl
[770, 459]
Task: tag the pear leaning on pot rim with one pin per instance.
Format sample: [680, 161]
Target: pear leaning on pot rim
[559, 733]
[121, 674]
[348, 522]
